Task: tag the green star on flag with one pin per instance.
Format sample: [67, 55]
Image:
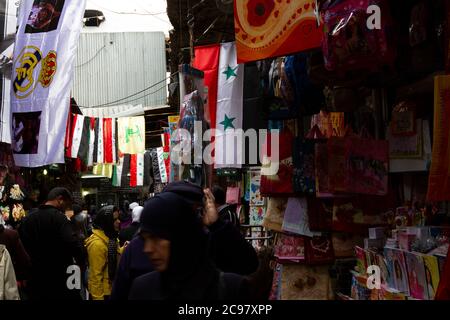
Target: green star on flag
[228, 122]
[230, 72]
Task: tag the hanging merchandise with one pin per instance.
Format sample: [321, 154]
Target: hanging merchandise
[349, 44]
[99, 145]
[303, 282]
[307, 96]
[344, 244]
[304, 177]
[257, 215]
[265, 29]
[42, 74]
[296, 218]
[275, 214]
[131, 135]
[173, 126]
[256, 199]
[319, 250]
[331, 124]
[323, 188]
[357, 214]
[290, 249]
[439, 183]
[275, 292]
[320, 214]
[357, 165]
[137, 170]
[79, 137]
[228, 152]
[233, 195]
[411, 153]
[280, 183]
[162, 165]
[103, 169]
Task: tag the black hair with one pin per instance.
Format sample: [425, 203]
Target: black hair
[76, 209]
[219, 195]
[59, 192]
[104, 220]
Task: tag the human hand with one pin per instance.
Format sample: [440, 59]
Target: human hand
[210, 214]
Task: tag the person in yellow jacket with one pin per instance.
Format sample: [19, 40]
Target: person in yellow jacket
[103, 253]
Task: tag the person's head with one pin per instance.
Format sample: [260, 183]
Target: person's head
[132, 206]
[219, 195]
[76, 208]
[107, 219]
[174, 238]
[136, 214]
[60, 198]
[191, 193]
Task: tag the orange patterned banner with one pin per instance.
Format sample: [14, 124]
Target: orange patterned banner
[271, 28]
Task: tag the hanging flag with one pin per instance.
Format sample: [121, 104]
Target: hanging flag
[77, 132]
[148, 181]
[120, 171]
[131, 135]
[137, 170]
[207, 60]
[42, 75]
[83, 150]
[114, 140]
[162, 165]
[90, 161]
[108, 140]
[100, 143]
[267, 29]
[8, 23]
[103, 169]
[228, 152]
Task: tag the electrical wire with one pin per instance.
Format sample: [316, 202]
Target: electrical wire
[135, 94]
[133, 13]
[95, 55]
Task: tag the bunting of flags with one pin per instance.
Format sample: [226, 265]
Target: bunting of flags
[96, 141]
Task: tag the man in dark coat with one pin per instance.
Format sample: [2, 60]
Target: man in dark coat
[49, 239]
[176, 242]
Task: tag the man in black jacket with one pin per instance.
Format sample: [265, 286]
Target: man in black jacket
[49, 239]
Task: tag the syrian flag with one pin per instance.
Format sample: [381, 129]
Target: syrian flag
[108, 140]
[207, 60]
[228, 148]
[137, 170]
[90, 161]
[77, 133]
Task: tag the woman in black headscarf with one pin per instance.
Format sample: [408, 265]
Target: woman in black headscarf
[177, 245]
[103, 249]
